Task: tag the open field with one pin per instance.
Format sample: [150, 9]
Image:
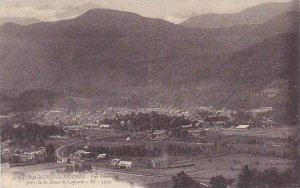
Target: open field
[229, 166]
[271, 132]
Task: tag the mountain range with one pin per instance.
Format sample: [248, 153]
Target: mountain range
[253, 15]
[115, 58]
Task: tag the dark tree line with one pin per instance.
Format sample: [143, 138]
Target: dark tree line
[248, 178]
[144, 121]
[29, 133]
[253, 178]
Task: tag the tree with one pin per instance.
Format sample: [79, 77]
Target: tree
[50, 151]
[246, 178]
[270, 177]
[182, 180]
[218, 182]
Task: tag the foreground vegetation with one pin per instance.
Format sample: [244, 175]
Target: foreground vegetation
[247, 178]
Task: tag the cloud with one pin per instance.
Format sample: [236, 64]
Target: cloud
[73, 11]
[170, 10]
[27, 12]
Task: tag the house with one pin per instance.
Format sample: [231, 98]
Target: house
[115, 162]
[159, 134]
[125, 164]
[241, 127]
[101, 156]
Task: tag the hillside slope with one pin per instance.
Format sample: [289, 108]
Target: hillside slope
[125, 59]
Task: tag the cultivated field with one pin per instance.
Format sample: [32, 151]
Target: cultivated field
[229, 166]
[271, 132]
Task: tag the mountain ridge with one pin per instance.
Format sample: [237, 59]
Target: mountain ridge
[142, 59]
[253, 15]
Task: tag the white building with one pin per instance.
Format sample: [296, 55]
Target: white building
[125, 164]
[243, 127]
[104, 126]
[101, 156]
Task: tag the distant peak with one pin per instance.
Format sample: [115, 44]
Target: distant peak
[99, 11]
[106, 14]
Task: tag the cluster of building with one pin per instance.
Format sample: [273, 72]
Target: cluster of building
[21, 157]
[79, 161]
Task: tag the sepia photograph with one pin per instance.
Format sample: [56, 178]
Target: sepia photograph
[149, 94]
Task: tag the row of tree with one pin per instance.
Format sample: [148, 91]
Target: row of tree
[252, 178]
[145, 151]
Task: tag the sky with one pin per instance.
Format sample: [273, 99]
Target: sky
[171, 10]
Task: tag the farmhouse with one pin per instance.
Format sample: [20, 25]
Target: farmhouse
[115, 162]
